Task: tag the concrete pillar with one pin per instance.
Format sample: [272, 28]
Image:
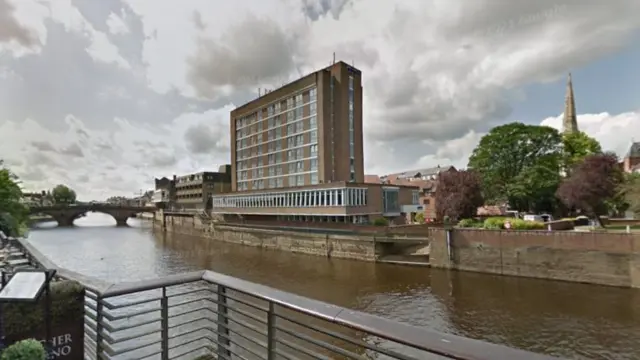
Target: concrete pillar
[121, 221]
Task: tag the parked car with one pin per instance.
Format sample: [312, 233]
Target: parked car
[530, 217]
[546, 217]
[581, 221]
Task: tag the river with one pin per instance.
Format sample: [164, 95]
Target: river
[576, 321]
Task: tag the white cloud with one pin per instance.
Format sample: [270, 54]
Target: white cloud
[118, 161]
[117, 25]
[614, 132]
[437, 75]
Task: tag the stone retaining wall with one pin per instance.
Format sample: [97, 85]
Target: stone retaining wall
[589, 257]
[351, 246]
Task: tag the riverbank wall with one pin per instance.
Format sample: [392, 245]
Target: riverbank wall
[588, 257]
[611, 259]
[330, 245]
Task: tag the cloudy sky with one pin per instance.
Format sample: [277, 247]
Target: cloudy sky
[106, 95]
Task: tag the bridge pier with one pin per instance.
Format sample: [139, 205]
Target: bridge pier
[64, 221]
[121, 221]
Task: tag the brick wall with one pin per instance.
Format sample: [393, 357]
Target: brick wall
[590, 257]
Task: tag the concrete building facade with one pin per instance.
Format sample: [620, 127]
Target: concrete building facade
[308, 132]
[194, 191]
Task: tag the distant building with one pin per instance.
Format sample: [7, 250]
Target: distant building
[165, 191]
[631, 160]
[36, 199]
[426, 182]
[194, 191]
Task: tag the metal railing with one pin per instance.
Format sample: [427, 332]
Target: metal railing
[206, 315]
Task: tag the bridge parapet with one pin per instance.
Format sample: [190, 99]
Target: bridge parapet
[65, 215]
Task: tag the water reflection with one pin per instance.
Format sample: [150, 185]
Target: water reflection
[572, 320]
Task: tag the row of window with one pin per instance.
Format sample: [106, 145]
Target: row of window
[277, 108]
[253, 146]
[296, 178]
[277, 170]
[278, 158]
[352, 176]
[280, 122]
[303, 198]
[390, 200]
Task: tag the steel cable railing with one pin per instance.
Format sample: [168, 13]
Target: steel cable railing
[206, 315]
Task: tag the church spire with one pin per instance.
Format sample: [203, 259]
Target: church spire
[569, 123]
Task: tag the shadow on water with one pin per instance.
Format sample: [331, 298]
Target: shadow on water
[559, 318]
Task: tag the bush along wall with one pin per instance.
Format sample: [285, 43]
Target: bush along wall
[26, 320]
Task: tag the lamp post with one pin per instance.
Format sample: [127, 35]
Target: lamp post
[27, 286]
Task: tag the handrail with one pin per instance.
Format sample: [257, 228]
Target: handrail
[109, 337]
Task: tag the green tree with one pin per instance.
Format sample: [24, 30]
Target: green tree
[13, 213]
[575, 147]
[62, 194]
[592, 185]
[419, 218]
[630, 190]
[519, 164]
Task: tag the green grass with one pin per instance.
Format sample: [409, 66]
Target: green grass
[622, 227]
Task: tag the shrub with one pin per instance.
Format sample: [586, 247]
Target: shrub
[494, 223]
[29, 349]
[519, 224]
[381, 222]
[470, 223]
[419, 218]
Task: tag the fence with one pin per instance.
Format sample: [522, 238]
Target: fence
[206, 315]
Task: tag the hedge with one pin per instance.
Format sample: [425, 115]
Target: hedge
[497, 223]
[67, 297]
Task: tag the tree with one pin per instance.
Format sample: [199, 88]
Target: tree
[592, 184]
[419, 218]
[62, 194]
[519, 164]
[13, 213]
[458, 194]
[575, 147]
[630, 190]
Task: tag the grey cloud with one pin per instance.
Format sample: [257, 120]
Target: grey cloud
[72, 150]
[64, 79]
[42, 159]
[84, 178]
[164, 160]
[43, 146]
[315, 9]
[11, 30]
[33, 173]
[253, 52]
[201, 139]
[198, 22]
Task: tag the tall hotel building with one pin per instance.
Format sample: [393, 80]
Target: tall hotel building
[297, 153]
[306, 133]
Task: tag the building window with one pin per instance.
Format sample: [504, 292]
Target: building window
[415, 197]
[314, 178]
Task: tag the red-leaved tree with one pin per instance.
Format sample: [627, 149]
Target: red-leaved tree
[592, 182]
[458, 194]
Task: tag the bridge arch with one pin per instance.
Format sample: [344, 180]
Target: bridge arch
[66, 215]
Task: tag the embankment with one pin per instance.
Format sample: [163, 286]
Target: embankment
[339, 242]
[589, 257]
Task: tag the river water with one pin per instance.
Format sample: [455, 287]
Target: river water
[570, 320]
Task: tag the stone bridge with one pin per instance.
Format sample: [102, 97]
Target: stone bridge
[65, 215]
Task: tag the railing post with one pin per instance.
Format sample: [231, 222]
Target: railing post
[99, 309]
[223, 325]
[271, 332]
[164, 321]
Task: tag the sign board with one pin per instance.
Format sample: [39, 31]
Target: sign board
[26, 321]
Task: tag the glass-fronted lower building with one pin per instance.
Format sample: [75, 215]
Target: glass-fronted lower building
[342, 202]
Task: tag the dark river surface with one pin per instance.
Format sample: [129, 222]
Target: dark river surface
[576, 321]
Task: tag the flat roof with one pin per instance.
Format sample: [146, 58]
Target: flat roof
[284, 88]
